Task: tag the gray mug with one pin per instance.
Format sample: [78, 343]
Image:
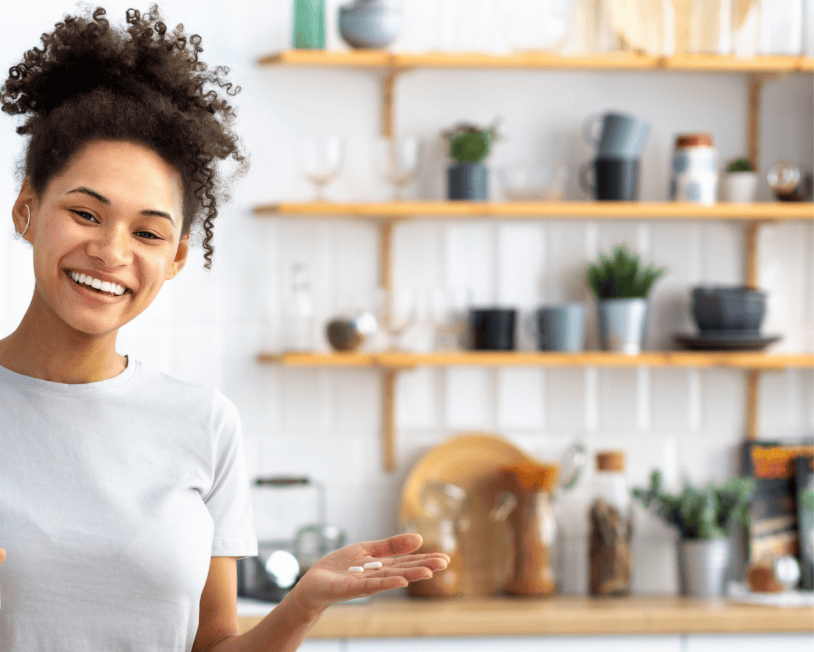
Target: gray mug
[620, 136]
[559, 327]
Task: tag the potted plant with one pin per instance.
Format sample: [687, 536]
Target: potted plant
[704, 518]
[469, 146]
[621, 286]
[740, 181]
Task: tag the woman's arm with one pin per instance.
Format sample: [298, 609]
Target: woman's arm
[328, 581]
[283, 630]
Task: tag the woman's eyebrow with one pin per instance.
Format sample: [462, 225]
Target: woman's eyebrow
[105, 200]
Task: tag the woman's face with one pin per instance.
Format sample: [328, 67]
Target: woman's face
[114, 213]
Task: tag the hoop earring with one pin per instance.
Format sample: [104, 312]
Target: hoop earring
[27, 223]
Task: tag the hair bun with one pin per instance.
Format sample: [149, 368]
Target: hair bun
[83, 54]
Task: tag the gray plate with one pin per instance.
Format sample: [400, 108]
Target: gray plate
[726, 340]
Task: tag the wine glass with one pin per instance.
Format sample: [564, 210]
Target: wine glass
[321, 159]
[396, 159]
[396, 312]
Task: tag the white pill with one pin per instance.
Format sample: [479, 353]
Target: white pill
[356, 569]
[373, 564]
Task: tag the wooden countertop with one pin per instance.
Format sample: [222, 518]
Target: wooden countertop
[403, 617]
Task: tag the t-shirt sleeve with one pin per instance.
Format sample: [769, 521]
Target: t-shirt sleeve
[229, 499]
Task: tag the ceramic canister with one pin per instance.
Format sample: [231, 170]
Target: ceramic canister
[695, 170]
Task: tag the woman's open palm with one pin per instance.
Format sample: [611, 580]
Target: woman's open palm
[329, 581]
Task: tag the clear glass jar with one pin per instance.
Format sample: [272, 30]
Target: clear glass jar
[535, 528]
[440, 535]
[299, 311]
[536, 537]
[610, 528]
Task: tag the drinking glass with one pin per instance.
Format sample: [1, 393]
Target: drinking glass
[449, 313]
[396, 159]
[321, 159]
[396, 312]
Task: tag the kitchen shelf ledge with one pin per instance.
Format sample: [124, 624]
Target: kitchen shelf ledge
[399, 360]
[402, 616]
[539, 60]
[550, 209]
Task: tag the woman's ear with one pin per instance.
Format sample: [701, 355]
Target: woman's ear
[180, 257]
[19, 212]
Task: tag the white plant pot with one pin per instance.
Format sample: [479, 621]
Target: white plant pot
[740, 187]
[622, 324]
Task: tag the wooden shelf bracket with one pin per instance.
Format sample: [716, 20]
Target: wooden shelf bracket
[389, 419]
[389, 99]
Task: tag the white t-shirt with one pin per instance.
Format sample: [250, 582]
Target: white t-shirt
[113, 497]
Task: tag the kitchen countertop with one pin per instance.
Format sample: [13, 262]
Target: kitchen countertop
[400, 616]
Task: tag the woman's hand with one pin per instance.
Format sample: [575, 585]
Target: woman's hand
[329, 581]
[2, 555]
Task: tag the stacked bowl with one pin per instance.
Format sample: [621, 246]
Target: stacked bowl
[728, 318]
[726, 309]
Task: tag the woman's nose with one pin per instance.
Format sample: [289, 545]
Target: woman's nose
[111, 245]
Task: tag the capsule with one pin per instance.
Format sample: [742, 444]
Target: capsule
[374, 565]
[356, 569]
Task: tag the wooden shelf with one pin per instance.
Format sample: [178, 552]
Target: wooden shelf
[398, 360]
[539, 60]
[553, 209]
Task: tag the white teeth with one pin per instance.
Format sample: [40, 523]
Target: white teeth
[104, 286]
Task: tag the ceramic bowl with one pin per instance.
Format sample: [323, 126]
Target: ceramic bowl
[369, 25]
[533, 182]
[728, 308]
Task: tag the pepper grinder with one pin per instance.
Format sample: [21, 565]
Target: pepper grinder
[535, 527]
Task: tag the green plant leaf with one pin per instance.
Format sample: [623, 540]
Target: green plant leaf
[708, 513]
[622, 276]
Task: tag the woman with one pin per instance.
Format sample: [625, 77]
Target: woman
[124, 499]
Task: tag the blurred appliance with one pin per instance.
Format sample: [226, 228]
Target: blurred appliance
[279, 565]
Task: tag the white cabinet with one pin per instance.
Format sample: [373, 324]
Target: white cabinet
[522, 644]
[750, 642]
[323, 646]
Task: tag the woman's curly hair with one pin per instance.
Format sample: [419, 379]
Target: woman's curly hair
[145, 85]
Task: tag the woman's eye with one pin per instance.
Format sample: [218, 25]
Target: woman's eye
[83, 213]
[150, 236]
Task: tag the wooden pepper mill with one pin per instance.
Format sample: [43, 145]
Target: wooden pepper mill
[534, 525]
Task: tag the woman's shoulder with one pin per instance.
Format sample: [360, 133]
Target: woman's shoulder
[178, 389]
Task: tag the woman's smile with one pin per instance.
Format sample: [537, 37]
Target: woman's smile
[96, 295]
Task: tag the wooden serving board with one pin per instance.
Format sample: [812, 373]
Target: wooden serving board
[471, 461]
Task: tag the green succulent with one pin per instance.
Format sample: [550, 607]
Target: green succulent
[740, 165]
[621, 277]
[469, 143]
[706, 513]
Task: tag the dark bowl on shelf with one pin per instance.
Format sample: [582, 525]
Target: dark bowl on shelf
[728, 308]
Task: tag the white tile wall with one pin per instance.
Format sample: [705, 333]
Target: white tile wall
[325, 423]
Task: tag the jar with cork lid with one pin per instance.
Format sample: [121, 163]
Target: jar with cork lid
[695, 169]
[610, 527]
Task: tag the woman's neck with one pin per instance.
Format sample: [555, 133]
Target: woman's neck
[41, 348]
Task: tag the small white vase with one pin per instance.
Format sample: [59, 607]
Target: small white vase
[740, 187]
